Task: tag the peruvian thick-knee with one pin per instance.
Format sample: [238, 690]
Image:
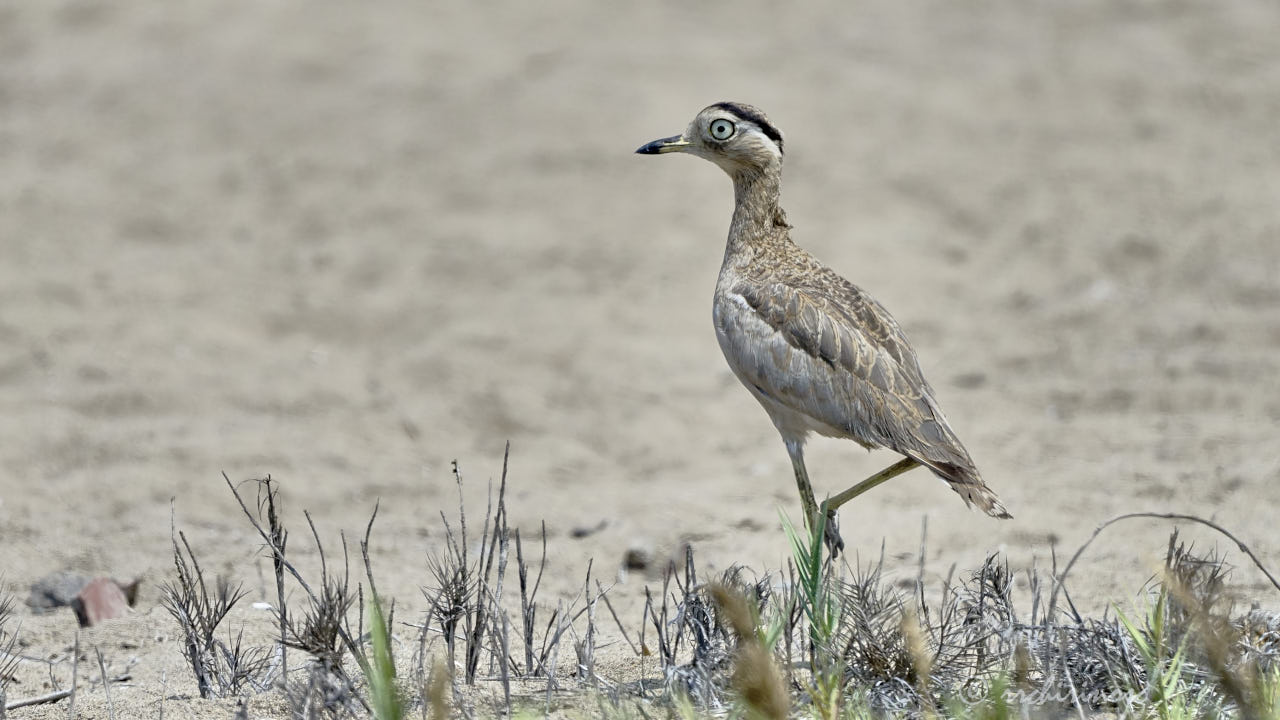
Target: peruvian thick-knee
[818, 353]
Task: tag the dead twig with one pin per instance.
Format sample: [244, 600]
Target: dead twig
[56, 696]
[279, 539]
[1061, 580]
[106, 685]
[75, 674]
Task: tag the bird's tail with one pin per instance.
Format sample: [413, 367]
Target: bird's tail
[967, 482]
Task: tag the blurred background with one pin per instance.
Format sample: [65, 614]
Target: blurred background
[345, 244]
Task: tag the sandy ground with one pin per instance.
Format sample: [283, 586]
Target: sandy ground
[345, 244]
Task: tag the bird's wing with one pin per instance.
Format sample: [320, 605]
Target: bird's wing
[836, 355]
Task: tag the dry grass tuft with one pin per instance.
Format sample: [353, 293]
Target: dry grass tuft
[982, 646]
[756, 678]
[221, 668]
[437, 691]
[820, 639]
[8, 643]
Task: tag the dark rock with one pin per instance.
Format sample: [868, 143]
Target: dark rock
[61, 589]
[583, 531]
[638, 557]
[55, 590]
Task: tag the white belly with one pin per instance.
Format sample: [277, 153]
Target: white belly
[772, 371]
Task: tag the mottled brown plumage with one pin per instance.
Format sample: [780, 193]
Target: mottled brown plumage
[817, 352]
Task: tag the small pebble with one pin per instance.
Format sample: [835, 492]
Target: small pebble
[638, 557]
[583, 531]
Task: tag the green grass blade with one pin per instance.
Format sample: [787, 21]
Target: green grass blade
[381, 674]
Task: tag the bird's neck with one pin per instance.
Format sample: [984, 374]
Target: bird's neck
[758, 219]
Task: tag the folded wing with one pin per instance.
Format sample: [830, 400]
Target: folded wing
[832, 353]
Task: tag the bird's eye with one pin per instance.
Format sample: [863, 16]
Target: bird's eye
[721, 129]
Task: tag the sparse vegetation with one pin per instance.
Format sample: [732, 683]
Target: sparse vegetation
[221, 667]
[8, 643]
[818, 639]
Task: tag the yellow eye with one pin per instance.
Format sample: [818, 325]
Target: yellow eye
[721, 129]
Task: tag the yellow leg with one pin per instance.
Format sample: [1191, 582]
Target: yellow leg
[831, 504]
[796, 451]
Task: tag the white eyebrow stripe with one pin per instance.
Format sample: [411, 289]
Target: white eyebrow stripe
[768, 141]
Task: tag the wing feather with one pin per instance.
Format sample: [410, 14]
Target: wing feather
[834, 354]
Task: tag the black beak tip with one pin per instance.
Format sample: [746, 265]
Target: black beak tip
[659, 146]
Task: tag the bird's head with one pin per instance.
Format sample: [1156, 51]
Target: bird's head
[735, 136]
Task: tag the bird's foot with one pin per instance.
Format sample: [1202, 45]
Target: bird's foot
[831, 533]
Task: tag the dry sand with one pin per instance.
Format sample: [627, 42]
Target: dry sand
[345, 244]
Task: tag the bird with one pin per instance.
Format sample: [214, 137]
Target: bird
[818, 353]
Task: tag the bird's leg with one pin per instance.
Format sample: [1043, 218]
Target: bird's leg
[796, 451]
[831, 533]
[831, 504]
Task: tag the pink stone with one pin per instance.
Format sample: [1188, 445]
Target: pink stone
[100, 599]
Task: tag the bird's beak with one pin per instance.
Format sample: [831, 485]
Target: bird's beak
[675, 143]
